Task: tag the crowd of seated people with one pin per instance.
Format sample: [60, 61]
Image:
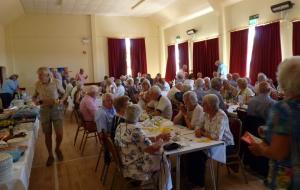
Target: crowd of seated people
[198, 103]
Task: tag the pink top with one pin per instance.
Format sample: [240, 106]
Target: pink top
[88, 108]
[81, 77]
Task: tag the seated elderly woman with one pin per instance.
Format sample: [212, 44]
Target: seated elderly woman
[228, 91]
[281, 137]
[159, 105]
[207, 83]
[199, 89]
[143, 100]
[261, 104]
[110, 86]
[131, 91]
[215, 125]
[120, 90]
[245, 92]
[190, 113]
[136, 150]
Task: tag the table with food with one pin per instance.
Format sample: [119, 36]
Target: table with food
[18, 134]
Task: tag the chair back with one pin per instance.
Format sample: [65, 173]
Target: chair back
[113, 150]
[90, 126]
[235, 126]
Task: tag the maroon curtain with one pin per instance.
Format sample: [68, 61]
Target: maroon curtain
[117, 57]
[183, 49]
[238, 52]
[199, 57]
[296, 38]
[171, 64]
[266, 53]
[138, 56]
[212, 53]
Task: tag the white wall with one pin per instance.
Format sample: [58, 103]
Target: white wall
[125, 27]
[3, 61]
[48, 40]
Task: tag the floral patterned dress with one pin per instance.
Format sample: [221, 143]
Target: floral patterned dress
[284, 119]
[132, 141]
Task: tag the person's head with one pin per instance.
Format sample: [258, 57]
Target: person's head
[215, 74]
[186, 87]
[180, 76]
[199, 75]
[218, 62]
[109, 82]
[133, 113]
[139, 74]
[264, 88]
[81, 71]
[136, 81]
[235, 76]
[118, 82]
[74, 83]
[191, 76]
[216, 83]
[107, 100]
[155, 92]
[207, 82]
[179, 86]
[80, 86]
[242, 83]
[121, 103]
[184, 67]
[146, 85]
[129, 82]
[13, 77]
[190, 100]
[92, 91]
[288, 77]
[226, 84]
[44, 74]
[229, 76]
[210, 104]
[158, 76]
[199, 83]
[261, 77]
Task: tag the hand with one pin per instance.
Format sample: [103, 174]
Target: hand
[164, 136]
[182, 109]
[257, 149]
[198, 133]
[261, 131]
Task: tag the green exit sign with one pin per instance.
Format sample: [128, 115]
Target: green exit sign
[253, 20]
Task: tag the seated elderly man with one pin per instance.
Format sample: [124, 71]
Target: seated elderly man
[137, 151]
[159, 105]
[105, 114]
[260, 105]
[199, 89]
[261, 77]
[120, 90]
[190, 113]
[88, 105]
[215, 126]
[216, 85]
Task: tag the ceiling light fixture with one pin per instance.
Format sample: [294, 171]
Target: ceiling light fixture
[282, 6]
[137, 4]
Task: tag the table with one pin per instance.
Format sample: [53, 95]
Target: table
[22, 168]
[233, 107]
[215, 149]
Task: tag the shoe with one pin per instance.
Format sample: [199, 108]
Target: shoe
[50, 161]
[59, 155]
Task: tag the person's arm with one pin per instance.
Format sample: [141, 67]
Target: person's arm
[279, 148]
[178, 118]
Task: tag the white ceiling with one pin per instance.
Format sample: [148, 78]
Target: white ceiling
[99, 7]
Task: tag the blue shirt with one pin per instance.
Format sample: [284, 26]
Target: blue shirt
[221, 100]
[200, 94]
[222, 70]
[9, 86]
[104, 118]
[260, 106]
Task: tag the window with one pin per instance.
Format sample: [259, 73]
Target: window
[251, 35]
[177, 57]
[128, 56]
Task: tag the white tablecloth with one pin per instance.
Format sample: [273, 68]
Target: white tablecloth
[22, 168]
[232, 109]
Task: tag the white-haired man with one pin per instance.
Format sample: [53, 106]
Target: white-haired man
[50, 95]
[105, 114]
[173, 91]
[191, 113]
[88, 105]
[160, 104]
[199, 89]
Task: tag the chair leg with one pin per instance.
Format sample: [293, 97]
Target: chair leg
[83, 146]
[83, 136]
[217, 175]
[113, 181]
[228, 170]
[76, 135]
[99, 157]
[243, 171]
[105, 174]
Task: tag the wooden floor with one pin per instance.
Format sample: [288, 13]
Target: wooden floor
[77, 171]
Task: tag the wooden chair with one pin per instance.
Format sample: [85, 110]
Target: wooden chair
[79, 123]
[89, 131]
[233, 158]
